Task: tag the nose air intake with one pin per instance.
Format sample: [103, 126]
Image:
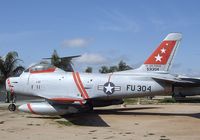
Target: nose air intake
[9, 87]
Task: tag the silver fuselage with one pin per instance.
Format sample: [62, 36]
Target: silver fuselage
[60, 84]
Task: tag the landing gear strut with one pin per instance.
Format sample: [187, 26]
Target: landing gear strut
[12, 106]
[89, 105]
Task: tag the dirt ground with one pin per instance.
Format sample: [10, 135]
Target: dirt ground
[135, 122]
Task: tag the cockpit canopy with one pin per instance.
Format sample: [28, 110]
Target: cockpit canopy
[47, 67]
[41, 67]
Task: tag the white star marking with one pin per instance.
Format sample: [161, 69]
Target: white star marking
[163, 50]
[158, 58]
[109, 88]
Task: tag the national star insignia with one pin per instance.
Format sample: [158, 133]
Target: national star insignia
[163, 50]
[109, 88]
[158, 58]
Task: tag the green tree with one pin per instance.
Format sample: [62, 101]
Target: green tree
[104, 69]
[9, 66]
[123, 66]
[113, 69]
[88, 70]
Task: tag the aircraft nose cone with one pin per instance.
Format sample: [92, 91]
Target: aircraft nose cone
[11, 84]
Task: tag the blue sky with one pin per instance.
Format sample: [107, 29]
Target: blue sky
[103, 31]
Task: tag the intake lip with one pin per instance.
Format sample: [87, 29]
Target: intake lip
[7, 84]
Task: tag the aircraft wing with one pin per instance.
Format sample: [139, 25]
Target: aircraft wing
[190, 82]
[66, 100]
[194, 81]
[66, 58]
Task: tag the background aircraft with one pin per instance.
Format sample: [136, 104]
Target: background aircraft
[71, 92]
[182, 90]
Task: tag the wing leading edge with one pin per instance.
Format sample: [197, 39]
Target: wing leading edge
[183, 82]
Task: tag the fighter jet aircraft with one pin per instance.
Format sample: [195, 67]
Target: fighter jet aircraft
[186, 89]
[71, 92]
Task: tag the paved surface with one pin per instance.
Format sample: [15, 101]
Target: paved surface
[148, 122]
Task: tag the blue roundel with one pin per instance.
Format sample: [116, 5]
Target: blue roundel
[109, 88]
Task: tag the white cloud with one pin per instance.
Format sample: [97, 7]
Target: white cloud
[76, 42]
[91, 59]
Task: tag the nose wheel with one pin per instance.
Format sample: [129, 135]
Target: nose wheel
[12, 107]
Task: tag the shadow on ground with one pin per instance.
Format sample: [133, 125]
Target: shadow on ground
[44, 117]
[123, 111]
[86, 119]
[93, 118]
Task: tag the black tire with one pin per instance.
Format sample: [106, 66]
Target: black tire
[12, 107]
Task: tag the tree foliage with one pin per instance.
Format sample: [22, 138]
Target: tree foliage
[104, 69]
[9, 65]
[120, 67]
[88, 70]
[123, 66]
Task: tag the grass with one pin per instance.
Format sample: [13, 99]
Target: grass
[65, 123]
[167, 100]
[131, 101]
[146, 101]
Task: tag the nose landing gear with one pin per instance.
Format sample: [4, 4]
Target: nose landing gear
[12, 106]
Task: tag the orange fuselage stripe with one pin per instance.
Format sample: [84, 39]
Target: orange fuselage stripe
[43, 71]
[81, 84]
[31, 110]
[77, 84]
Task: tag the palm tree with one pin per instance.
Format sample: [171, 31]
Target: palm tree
[9, 66]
